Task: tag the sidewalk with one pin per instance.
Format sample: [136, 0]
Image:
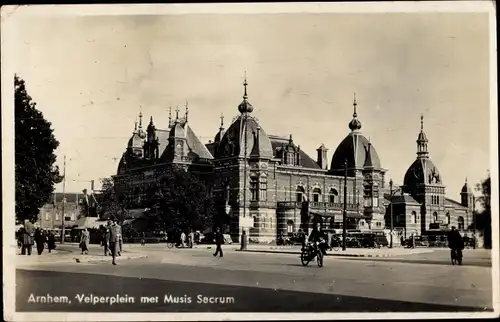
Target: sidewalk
[349, 252]
[70, 252]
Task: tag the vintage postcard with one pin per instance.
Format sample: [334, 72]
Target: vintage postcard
[250, 161]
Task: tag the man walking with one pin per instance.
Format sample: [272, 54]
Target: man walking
[120, 239]
[219, 240]
[191, 239]
[113, 239]
[28, 238]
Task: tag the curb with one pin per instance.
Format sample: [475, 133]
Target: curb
[328, 254]
[77, 259]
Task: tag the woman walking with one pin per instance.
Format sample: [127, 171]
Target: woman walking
[84, 241]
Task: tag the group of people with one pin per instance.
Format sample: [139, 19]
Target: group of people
[112, 239]
[28, 236]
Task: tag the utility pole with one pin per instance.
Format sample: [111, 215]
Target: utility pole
[63, 231]
[344, 213]
[390, 186]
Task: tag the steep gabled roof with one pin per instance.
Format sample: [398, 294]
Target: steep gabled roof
[305, 160]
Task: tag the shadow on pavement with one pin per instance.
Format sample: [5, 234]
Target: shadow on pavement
[246, 299]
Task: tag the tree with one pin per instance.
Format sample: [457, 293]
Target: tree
[483, 217]
[109, 205]
[180, 201]
[35, 172]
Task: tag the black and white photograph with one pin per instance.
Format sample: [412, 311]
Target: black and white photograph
[250, 161]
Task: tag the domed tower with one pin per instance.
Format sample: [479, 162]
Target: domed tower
[363, 165]
[424, 183]
[467, 196]
[242, 160]
[220, 134]
[135, 143]
[151, 150]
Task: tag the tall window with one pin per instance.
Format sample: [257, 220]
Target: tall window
[46, 216]
[316, 194]
[263, 188]
[413, 217]
[461, 225]
[333, 195]
[435, 215]
[254, 189]
[299, 193]
[289, 226]
[448, 219]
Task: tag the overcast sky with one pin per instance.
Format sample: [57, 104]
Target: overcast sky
[90, 76]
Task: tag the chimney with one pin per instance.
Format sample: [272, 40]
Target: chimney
[322, 160]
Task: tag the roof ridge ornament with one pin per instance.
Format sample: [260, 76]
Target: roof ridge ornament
[355, 124]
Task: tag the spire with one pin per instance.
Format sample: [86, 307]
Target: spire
[135, 126]
[291, 139]
[187, 111]
[245, 106]
[245, 84]
[170, 115]
[177, 114]
[355, 124]
[140, 119]
[422, 141]
[221, 121]
[151, 120]
[354, 104]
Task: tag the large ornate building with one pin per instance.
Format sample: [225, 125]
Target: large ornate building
[263, 181]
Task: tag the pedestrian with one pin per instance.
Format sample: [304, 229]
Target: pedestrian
[143, 239]
[84, 241]
[412, 240]
[191, 238]
[120, 239]
[219, 240]
[113, 239]
[40, 241]
[28, 238]
[183, 239]
[402, 241]
[51, 241]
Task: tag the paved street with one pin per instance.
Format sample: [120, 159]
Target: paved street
[262, 282]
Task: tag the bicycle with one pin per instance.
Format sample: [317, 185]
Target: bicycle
[455, 257]
[309, 253]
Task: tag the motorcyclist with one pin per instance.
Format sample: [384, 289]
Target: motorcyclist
[318, 238]
[455, 242]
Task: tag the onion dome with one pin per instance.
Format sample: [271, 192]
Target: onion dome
[355, 124]
[245, 106]
[466, 188]
[356, 149]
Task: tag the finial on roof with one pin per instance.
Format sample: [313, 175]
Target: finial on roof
[421, 122]
[245, 84]
[169, 115]
[291, 139]
[465, 180]
[221, 120]
[135, 127]
[187, 110]
[140, 118]
[355, 104]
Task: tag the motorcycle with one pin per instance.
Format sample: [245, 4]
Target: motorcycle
[310, 252]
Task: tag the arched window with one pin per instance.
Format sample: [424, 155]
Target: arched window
[300, 193]
[461, 225]
[413, 217]
[316, 194]
[289, 226]
[435, 216]
[333, 195]
[448, 219]
[254, 189]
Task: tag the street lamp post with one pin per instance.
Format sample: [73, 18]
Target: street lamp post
[344, 212]
[390, 186]
[392, 192]
[63, 231]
